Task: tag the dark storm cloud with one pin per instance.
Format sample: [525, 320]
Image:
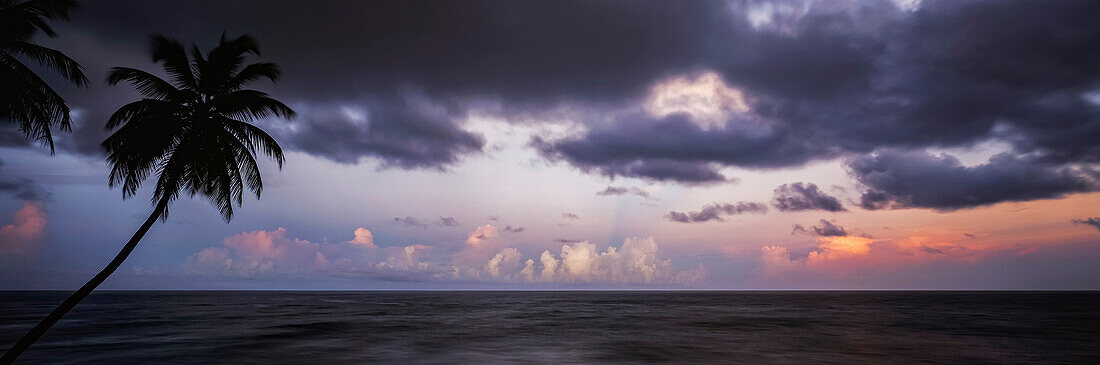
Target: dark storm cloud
[804, 196]
[530, 54]
[826, 229]
[1094, 221]
[21, 187]
[400, 134]
[821, 79]
[716, 211]
[857, 77]
[674, 148]
[914, 179]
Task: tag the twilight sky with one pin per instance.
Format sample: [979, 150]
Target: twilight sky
[603, 144]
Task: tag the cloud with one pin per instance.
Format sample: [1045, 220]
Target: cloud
[448, 222]
[636, 261]
[507, 259]
[27, 228]
[424, 223]
[410, 222]
[510, 229]
[363, 237]
[1094, 221]
[616, 190]
[830, 255]
[855, 259]
[486, 257]
[829, 82]
[715, 211]
[897, 179]
[570, 216]
[800, 196]
[688, 89]
[21, 188]
[400, 134]
[481, 234]
[827, 229]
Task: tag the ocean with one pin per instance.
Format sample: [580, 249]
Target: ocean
[557, 327]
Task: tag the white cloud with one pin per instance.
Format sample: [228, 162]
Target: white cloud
[704, 96]
[636, 261]
[507, 260]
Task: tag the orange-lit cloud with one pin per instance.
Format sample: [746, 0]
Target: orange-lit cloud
[364, 237]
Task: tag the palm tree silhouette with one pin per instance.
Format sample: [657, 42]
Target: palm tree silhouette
[192, 132]
[25, 98]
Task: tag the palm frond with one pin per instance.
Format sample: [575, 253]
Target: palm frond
[146, 83]
[170, 52]
[53, 59]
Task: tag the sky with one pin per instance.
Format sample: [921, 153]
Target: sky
[894, 144]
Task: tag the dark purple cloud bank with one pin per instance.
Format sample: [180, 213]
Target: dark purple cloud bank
[916, 179]
[837, 79]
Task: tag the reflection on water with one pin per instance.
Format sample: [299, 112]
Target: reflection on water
[560, 327]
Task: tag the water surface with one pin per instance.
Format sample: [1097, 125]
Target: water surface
[561, 327]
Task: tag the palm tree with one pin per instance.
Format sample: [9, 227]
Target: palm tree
[25, 98]
[192, 132]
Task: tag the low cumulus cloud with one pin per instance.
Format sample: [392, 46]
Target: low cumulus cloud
[826, 229]
[485, 257]
[851, 256]
[1094, 222]
[801, 196]
[899, 179]
[716, 212]
[28, 226]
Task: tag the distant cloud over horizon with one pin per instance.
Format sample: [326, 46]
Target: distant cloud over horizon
[1093, 221]
[800, 196]
[276, 253]
[618, 190]
[716, 212]
[826, 229]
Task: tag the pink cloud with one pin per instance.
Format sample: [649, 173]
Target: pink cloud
[27, 228]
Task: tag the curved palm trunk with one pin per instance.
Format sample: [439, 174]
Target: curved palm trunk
[79, 295]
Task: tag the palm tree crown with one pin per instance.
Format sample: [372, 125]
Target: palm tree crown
[194, 131]
[25, 98]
